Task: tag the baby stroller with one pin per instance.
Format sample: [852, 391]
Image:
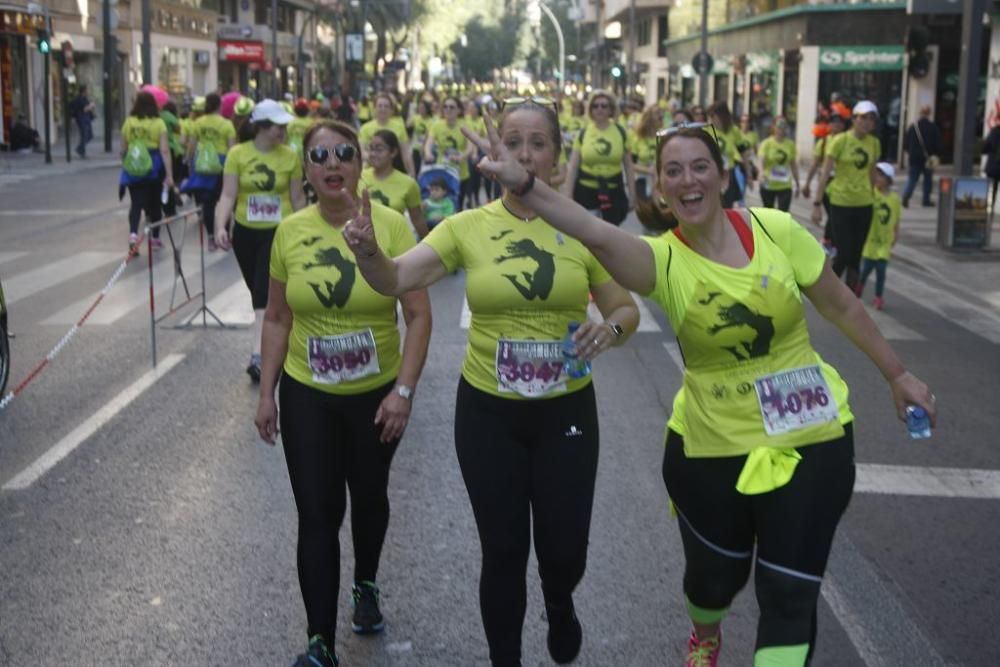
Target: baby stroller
[448, 174]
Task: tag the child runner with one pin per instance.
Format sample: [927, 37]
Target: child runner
[882, 234]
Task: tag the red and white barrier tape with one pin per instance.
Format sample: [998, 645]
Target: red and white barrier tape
[132, 254]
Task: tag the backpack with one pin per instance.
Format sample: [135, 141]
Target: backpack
[206, 159]
[138, 162]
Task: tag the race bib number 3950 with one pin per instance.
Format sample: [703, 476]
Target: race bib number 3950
[530, 368]
[795, 399]
[336, 359]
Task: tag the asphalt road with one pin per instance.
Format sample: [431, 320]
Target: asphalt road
[167, 535]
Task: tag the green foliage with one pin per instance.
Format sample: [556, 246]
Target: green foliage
[488, 47]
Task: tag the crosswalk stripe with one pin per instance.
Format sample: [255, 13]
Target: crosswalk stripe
[933, 482]
[232, 305]
[953, 309]
[26, 284]
[647, 323]
[11, 256]
[674, 352]
[891, 328]
[133, 292]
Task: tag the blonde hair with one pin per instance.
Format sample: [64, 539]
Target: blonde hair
[606, 94]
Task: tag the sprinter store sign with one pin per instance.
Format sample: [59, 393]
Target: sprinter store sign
[860, 58]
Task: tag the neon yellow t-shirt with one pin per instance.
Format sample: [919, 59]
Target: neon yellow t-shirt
[729, 143]
[885, 218]
[296, 132]
[777, 158]
[215, 129]
[398, 191]
[475, 124]
[601, 153]
[450, 141]
[145, 130]
[263, 199]
[420, 125]
[329, 297]
[853, 159]
[395, 125]
[643, 149]
[524, 281]
[736, 327]
[364, 112]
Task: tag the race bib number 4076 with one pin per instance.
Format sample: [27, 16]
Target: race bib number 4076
[336, 359]
[530, 368]
[795, 399]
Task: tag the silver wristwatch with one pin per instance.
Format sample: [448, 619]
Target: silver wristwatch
[404, 391]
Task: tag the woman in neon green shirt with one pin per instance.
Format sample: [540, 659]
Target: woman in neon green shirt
[145, 131]
[779, 166]
[445, 143]
[386, 118]
[642, 144]
[346, 389]
[261, 185]
[387, 182]
[525, 434]
[759, 456]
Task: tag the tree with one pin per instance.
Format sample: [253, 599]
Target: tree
[488, 47]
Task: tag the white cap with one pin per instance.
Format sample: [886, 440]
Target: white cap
[272, 111]
[863, 107]
[887, 169]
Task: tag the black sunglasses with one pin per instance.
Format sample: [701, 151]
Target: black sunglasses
[318, 155]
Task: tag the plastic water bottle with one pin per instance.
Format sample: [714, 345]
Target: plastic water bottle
[165, 195]
[917, 422]
[575, 367]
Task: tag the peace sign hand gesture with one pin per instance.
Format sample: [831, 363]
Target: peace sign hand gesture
[497, 163]
[359, 232]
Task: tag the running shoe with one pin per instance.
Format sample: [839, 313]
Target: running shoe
[317, 655]
[367, 616]
[156, 243]
[703, 652]
[132, 240]
[253, 368]
[879, 303]
[565, 633]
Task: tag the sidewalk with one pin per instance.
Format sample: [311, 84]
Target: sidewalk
[16, 167]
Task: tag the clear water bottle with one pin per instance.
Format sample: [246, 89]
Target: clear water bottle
[575, 367]
[917, 422]
[165, 194]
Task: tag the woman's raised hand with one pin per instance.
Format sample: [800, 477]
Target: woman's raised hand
[359, 232]
[497, 163]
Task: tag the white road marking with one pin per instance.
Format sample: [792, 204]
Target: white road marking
[77, 436]
[23, 285]
[133, 292]
[11, 256]
[951, 307]
[46, 212]
[232, 305]
[891, 328]
[930, 482]
[647, 323]
[674, 350]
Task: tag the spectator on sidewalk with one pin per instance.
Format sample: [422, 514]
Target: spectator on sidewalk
[81, 108]
[23, 138]
[923, 143]
[991, 151]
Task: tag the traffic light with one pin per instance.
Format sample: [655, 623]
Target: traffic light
[616, 71]
[44, 41]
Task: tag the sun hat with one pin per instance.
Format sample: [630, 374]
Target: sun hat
[272, 111]
[243, 107]
[864, 107]
[887, 169]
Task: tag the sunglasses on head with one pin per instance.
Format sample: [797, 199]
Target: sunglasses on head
[541, 101]
[318, 155]
[661, 135]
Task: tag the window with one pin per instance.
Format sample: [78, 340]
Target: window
[286, 16]
[662, 33]
[643, 33]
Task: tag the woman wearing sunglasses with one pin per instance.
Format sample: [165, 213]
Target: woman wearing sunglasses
[345, 389]
[261, 184]
[387, 182]
[445, 142]
[599, 174]
[526, 433]
[759, 457]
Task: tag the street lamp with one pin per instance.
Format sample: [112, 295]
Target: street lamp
[535, 9]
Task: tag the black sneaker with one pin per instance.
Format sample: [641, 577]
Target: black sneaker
[565, 633]
[367, 616]
[318, 655]
[253, 369]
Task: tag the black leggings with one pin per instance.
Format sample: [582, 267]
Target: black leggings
[792, 528]
[144, 197]
[207, 199]
[331, 440]
[849, 225]
[526, 463]
[783, 198]
[252, 248]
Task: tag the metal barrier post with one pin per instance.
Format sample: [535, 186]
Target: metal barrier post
[152, 294]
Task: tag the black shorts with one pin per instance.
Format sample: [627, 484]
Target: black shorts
[612, 207]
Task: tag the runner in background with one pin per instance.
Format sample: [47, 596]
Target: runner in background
[730, 141]
[446, 144]
[759, 455]
[299, 125]
[387, 182]
[418, 122]
[882, 235]
[211, 139]
[146, 165]
[780, 167]
[825, 129]
[241, 119]
[526, 434]
[473, 120]
[346, 390]
[262, 184]
[387, 118]
[179, 169]
[642, 145]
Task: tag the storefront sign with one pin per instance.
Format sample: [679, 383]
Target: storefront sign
[172, 19]
[234, 31]
[20, 22]
[762, 62]
[241, 52]
[860, 58]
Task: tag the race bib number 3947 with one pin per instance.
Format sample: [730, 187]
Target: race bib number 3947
[336, 359]
[795, 399]
[264, 208]
[530, 368]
